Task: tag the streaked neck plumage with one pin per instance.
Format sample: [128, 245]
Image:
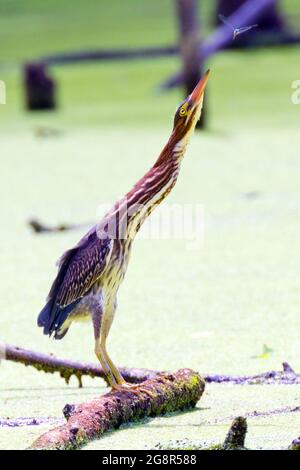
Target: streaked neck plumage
[153, 187]
[132, 210]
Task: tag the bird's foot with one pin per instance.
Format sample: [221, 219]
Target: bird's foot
[136, 389]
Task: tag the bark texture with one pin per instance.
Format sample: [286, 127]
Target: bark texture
[90, 420]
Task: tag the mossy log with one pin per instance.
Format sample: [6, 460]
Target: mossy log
[90, 420]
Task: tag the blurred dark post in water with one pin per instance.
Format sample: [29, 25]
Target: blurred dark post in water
[270, 21]
[39, 88]
[189, 46]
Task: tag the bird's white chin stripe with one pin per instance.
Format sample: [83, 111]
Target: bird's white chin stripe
[197, 114]
[199, 109]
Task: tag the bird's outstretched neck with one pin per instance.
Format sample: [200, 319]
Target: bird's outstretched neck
[156, 184]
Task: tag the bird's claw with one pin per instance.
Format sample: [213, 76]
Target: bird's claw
[136, 389]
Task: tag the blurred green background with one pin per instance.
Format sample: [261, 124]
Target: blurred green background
[213, 309]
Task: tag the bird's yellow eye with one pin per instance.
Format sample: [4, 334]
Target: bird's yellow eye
[182, 111]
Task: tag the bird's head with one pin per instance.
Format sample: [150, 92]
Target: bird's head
[189, 112]
[185, 120]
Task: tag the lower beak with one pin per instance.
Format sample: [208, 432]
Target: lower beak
[198, 91]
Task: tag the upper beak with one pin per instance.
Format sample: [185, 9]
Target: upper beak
[198, 91]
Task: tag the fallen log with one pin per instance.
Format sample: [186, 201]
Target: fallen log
[90, 420]
[66, 367]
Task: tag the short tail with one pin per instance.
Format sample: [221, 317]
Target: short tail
[53, 317]
[44, 317]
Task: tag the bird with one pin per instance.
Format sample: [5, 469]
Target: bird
[90, 273]
[236, 31]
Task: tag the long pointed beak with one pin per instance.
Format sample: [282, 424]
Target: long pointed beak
[196, 95]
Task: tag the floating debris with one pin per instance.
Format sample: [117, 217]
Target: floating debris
[234, 440]
[19, 422]
[285, 377]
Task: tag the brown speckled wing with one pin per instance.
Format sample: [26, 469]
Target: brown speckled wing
[80, 268]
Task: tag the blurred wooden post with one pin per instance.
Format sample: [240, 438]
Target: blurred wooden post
[189, 46]
[39, 88]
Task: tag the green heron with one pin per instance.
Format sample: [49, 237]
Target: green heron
[90, 274]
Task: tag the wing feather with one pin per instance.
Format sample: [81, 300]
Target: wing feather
[80, 268]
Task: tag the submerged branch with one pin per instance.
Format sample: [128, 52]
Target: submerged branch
[235, 438]
[286, 377]
[67, 367]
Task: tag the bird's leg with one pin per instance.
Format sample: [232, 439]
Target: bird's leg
[116, 381]
[121, 385]
[101, 357]
[102, 321]
[99, 349]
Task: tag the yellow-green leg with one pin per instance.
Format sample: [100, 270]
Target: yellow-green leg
[113, 369]
[120, 383]
[105, 366]
[114, 377]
